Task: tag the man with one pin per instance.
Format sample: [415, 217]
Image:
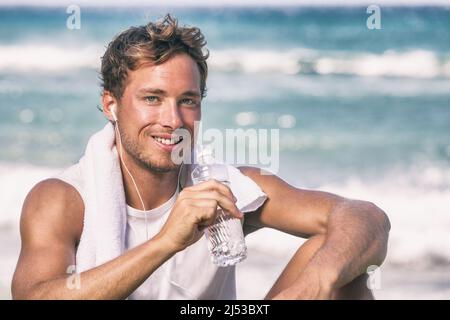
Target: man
[154, 78]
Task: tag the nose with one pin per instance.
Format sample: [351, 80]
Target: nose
[170, 116]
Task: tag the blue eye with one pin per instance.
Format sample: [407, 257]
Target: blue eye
[187, 101]
[151, 99]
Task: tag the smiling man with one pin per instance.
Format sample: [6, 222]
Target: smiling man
[154, 79]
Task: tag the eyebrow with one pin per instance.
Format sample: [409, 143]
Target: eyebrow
[190, 93]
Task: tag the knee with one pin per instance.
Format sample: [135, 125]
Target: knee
[355, 290]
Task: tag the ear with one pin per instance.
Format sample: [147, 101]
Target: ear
[109, 102]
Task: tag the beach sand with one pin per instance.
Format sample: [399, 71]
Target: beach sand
[259, 271]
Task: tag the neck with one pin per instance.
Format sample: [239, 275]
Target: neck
[155, 188]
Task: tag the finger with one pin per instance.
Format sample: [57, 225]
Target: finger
[206, 202]
[213, 184]
[223, 201]
[205, 211]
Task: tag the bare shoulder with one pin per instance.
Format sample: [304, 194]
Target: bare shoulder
[50, 227]
[52, 208]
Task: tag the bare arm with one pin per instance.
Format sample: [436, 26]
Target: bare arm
[51, 224]
[356, 231]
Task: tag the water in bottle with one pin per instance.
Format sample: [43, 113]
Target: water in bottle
[226, 240]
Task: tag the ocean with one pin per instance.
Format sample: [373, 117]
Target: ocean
[362, 113]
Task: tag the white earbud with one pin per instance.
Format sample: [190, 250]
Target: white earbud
[113, 111]
[116, 127]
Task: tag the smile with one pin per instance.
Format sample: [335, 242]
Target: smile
[168, 142]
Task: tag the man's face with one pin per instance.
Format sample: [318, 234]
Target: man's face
[157, 100]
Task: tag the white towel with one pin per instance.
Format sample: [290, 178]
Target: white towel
[105, 207]
[101, 187]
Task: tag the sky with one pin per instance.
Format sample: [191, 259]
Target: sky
[218, 2]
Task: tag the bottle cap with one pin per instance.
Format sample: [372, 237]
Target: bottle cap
[204, 154]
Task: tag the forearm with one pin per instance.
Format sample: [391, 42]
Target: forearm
[356, 238]
[115, 279]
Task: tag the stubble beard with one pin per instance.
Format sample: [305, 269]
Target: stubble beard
[154, 163]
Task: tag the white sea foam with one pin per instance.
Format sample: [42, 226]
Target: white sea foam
[252, 61]
[410, 64]
[48, 57]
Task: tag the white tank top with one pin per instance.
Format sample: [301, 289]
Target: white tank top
[189, 274]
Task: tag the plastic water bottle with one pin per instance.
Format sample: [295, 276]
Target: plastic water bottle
[226, 240]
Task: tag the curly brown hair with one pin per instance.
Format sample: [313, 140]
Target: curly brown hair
[155, 43]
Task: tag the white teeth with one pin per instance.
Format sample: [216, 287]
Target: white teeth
[168, 141]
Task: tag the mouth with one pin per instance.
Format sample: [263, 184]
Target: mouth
[167, 142]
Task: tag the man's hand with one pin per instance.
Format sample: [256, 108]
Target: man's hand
[194, 210]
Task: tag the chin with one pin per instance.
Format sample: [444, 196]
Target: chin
[152, 159]
[161, 166]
